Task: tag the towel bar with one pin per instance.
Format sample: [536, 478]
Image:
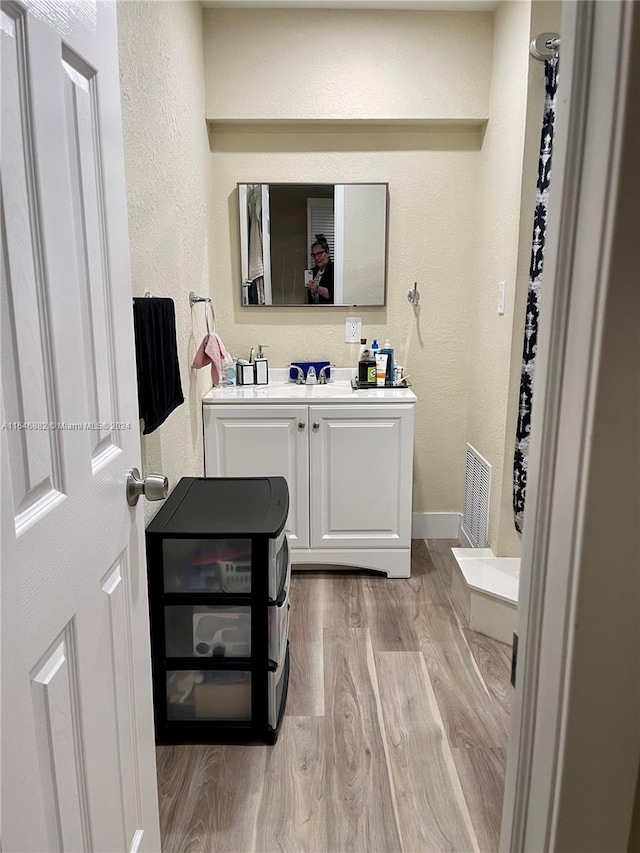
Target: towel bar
[193, 300]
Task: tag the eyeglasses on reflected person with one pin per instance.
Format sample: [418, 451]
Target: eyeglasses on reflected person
[318, 254]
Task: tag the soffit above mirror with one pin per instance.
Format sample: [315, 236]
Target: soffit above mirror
[441, 73]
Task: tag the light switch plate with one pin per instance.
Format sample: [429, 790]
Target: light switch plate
[353, 330]
[501, 289]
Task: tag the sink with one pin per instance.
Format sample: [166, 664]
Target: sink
[330, 389]
[280, 390]
[290, 390]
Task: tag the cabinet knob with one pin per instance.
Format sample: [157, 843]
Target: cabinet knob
[301, 425]
[316, 425]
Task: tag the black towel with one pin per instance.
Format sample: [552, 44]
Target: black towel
[159, 388]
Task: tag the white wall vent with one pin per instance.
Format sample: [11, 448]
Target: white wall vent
[477, 487]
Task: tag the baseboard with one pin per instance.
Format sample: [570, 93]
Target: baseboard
[465, 542]
[436, 525]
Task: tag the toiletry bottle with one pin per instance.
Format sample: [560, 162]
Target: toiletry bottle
[367, 369]
[381, 369]
[363, 347]
[230, 370]
[373, 349]
[390, 365]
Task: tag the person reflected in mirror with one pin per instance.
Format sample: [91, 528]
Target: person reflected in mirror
[320, 289]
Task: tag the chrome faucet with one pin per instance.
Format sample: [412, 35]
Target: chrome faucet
[312, 378]
[322, 376]
[300, 376]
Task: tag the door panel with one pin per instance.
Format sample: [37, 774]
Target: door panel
[78, 761]
[116, 595]
[89, 217]
[361, 476]
[34, 455]
[55, 705]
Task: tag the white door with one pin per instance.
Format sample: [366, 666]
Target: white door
[263, 441]
[78, 766]
[361, 476]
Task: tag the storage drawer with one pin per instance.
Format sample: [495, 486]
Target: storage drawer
[222, 565]
[207, 565]
[208, 695]
[202, 631]
[277, 692]
[279, 631]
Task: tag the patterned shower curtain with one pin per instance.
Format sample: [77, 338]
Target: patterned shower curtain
[521, 455]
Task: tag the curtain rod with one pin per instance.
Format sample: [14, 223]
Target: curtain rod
[545, 46]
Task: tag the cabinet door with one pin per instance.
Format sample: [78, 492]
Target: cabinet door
[361, 476]
[263, 441]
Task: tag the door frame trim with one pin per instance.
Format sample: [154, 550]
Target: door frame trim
[594, 68]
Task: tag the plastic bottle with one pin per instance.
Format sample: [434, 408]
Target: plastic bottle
[381, 368]
[363, 347]
[390, 364]
[230, 370]
[373, 349]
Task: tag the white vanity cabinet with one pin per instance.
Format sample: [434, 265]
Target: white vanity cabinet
[347, 457]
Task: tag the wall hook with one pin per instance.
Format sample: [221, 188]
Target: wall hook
[413, 296]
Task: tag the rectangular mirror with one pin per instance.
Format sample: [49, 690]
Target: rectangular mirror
[313, 244]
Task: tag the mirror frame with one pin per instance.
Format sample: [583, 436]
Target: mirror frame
[343, 305]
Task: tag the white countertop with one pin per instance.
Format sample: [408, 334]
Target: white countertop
[281, 390]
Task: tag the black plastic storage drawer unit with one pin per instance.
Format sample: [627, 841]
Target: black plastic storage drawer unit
[219, 573]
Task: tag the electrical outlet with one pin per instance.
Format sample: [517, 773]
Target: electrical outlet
[353, 330]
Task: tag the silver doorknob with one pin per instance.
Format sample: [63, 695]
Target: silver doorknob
[316, 426]
[155, 487]
[301, 424]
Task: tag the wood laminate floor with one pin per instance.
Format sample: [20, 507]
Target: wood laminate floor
[394, 737]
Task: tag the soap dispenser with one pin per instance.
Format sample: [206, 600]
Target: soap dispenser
[261, 367]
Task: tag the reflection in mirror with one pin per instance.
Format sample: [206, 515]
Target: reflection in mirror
[313, 244]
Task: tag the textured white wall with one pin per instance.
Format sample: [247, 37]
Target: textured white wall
[545, 17]
[440, 193]
[431, 238]
[433, 67]
[311, 64]
[507, 175]
[168, 173]
[500, 178]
